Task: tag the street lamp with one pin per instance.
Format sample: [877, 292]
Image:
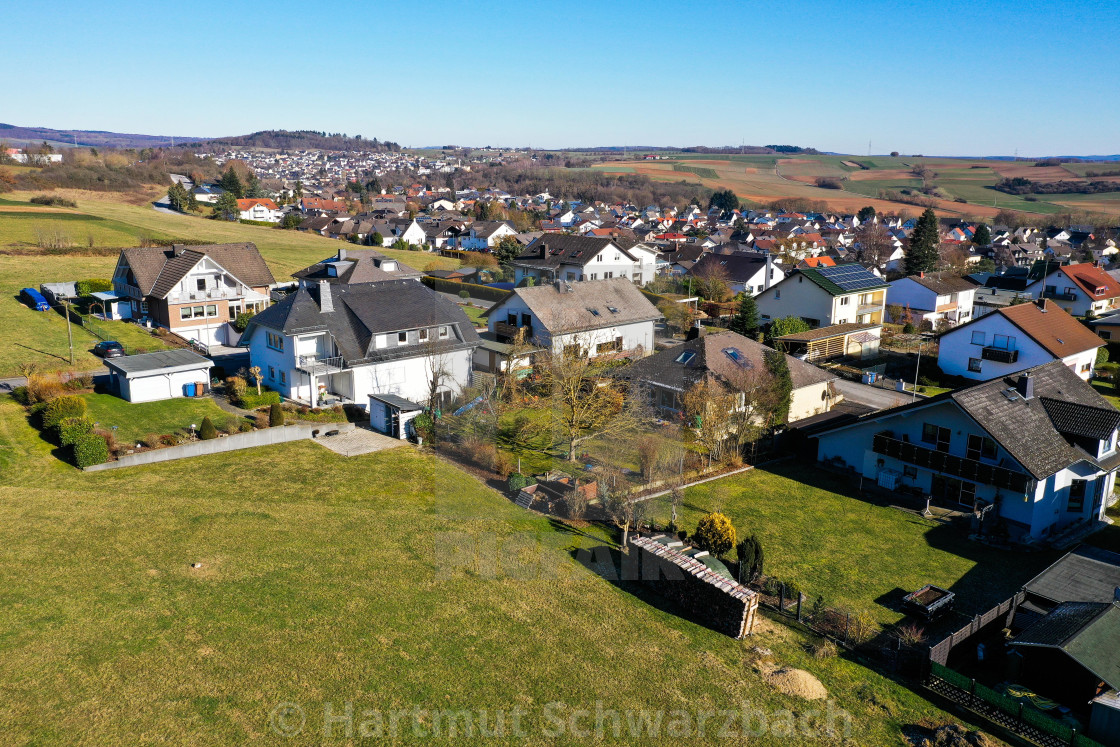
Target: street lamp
[192, 430]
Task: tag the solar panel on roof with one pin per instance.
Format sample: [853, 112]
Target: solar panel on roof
[850, 277]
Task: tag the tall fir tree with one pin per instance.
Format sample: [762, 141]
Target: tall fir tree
[231, 183]
[983, 235]
[778, 367]
[745, 320]
[925, 242]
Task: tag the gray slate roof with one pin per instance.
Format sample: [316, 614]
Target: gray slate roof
[1088, 574]
[357, 266]
[1086, 631]
[559, 248]
[585, 305]
[131, 365]
[362, 311]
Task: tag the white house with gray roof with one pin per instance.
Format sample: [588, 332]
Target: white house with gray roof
[344, 342]
[578, 258]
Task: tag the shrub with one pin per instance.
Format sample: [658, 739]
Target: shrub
[170, 439]
[261, 421]
[71, 430]
[275, 414]
[911, 635]
[242, 321]
[751, 557]
[207, 431]
[424, 426]
[93, 285]
[42, 388]
[79, 382]
[59, 408]
[91, 449]
[1102, 356]
[908, 328]
[503, 464]
[53, 201]
[518, 481]
[715, 534]
[861, 627]
[236, 386]
[250, 400]
[464, 294]
[245, 426]
[152, 440]
[824, 649]
[19, 394]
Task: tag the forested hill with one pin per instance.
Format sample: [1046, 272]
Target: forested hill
[18, 136]
[302, 140]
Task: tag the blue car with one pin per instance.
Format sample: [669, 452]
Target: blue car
[34, 299]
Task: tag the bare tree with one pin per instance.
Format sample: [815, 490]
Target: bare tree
[712, 281]
[875, 245]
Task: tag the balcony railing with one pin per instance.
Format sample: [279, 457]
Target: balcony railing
[999, 355]
[1059, 296]
[868, 308]
[210, 294]
[318, 366]
[966, 469]
[511, 332]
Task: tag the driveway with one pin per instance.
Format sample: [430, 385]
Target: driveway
[872, 396]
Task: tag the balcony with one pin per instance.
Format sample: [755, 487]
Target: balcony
[999, 355]
[512, 333]
[316, 366]
[967, 469]
[1059, 296]
[211, 294]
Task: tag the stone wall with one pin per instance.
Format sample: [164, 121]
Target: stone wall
[262, 437]
[712, 599]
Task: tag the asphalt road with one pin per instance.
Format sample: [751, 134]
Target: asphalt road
[872, 396]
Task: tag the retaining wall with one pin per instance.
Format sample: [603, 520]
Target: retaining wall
[263, 437]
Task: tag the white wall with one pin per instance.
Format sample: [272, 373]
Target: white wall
[161, 386]
[796, 296]
[957, 347]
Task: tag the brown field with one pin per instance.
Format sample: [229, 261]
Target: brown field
[874, 175]
[1103, 206]
[1012, 169]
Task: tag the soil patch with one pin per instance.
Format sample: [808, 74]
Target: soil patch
[798, 683]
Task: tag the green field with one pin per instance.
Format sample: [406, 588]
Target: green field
[69, 229]
[392, 581]
[131, 422]
[700, 171]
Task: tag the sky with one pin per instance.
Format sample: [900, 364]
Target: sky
[937, 77]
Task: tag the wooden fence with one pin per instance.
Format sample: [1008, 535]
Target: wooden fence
[1004, 611]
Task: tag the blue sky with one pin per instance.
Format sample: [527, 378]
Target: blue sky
[984, 77]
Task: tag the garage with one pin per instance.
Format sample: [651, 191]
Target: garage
[158, 376]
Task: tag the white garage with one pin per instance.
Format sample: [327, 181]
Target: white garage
[157, 376]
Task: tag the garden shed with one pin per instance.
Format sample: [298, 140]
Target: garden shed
[157, 376]
[390, 414]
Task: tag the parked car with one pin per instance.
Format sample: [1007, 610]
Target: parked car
[109, 349]
[34, 299]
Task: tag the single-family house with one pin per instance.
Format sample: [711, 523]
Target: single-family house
[592, 318]
[825, 296]
[345, 342]
[577, 258]
[933, 298]
[1037, 449]
[483, 235]
[356, 266]
[193, 290]
[750, 273]
[1079, 289]
[260, 209]
[1018, 337]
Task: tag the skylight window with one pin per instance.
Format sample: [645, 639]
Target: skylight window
[686, 357]
[594, 312]
[736, 355]
[612, 309]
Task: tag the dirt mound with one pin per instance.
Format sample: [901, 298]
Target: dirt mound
[948, 735]
[797, 682]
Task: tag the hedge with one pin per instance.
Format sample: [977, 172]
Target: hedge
[72, 430]
[250, 400]
[477, 291]
[93, 285]
[517, 481]
[91, 449]
[59, 408]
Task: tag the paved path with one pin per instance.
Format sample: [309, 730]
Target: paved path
[872, 396]
[356, 442]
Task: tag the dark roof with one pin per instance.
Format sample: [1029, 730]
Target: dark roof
[722, 355]
[559, 248]
[158, 269]
[585, 305]
[740, 267]
[357, 266]
[159, 361]
[400, 403]
[1088, 574]
[1084, 421]
[362, 311]
[1086, 631]
[823, 333]
[842, 279]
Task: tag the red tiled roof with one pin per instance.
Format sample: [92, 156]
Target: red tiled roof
[1091, 279]
[249, 202]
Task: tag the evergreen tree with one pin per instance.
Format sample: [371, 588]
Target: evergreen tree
[231, 183]
[254, 187]
[925, 242]
[778, 367]
[725, 200]
[177, 197]
[983, 236]
[745, 320]
[865, 214]
[208, 431]
[226, 207]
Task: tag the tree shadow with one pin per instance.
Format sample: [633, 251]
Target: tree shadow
[42, 352]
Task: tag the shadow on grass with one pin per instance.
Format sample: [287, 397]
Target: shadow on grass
[43, 352]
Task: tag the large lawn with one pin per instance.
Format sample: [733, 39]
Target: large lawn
[392, 581]
[854, 553]
[133, 421]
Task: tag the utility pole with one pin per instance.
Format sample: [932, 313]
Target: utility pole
[69, 332]
[917, 368]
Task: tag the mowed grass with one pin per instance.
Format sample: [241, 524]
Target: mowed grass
[854, 553]
[133, 421]
[69, 229]
[391, 581]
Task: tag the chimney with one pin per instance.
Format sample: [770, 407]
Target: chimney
[326, 303]
[922, 274]
[342, 253]
[1025, 386]
[695, 331]
[1041, 304]
[544, 250]
[769, 271]
[561, 286]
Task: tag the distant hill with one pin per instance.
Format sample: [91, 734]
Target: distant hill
[302, 140]
[90, 138]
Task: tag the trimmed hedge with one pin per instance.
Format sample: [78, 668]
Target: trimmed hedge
[60, 408]
[93, 285]
[207, 431]
[250, 400]
[517, 481]
[275, 415]
[73, 430]
[90, 449]
[477, 291]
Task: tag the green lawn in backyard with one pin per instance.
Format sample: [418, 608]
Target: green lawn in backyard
[134, 420]
[474, 313]
[391, 580]
[852, 552]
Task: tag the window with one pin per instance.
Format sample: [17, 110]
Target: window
[608, 275]
[271, 373]
[1086, 367]
[594, 276]
[981, 447]
[685, 357]
[200, 284]
[185, 312]
[511, 319]
[1104, 334]
[1070, 291]
[777, 295]
[934, 434]
[598, 259]
[144, 308]
[1003, 342]
[975, 365]
[443, 332]
[977, 338]
[423, 335]
[608, 347]
[844, 300]
[526, 320]
[1076, 500]
[199, 312]
[283, 377]
[910, 471]
[402, 338]
[212, 310]
[276, 342]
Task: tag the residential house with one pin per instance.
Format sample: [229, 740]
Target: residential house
[349, 266]
[345, 342]
[592, 318]
[207, 193]
[321, 204]
[260, 209]
[745, 272]
[824, 296]
[733, 361]
[483, 235]
[1079, 289]
[1107, 327]
[933, 298]
[195, 291]
[577, 258]
[1018, 337]
[1038, 447]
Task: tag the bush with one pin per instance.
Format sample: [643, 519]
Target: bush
[53, 201]
[207, 431]
[93, 285]
[424, 426]
[245, 426]
[250, 400]
[861, 627]
[90, 449]
[751, 557]
[908, 328]
[19, 394]
[517, 481]
[59, 408]
[79, 383]
[824, 649]
[242, 321]
[152, 440]
[503, 464]
[71, 430]
[42, 388]
[171, 439]
[478, 291]
[1102, 356]
[464, 294]
[275, 414]
[715, 534]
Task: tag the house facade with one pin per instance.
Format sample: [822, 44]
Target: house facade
[1018, 337]
[331, 342]
[592, 318]
[1079, 289]
[825, 296]
[1039, 448]
[483, 235]
[750, 273]
[194, 291]
[578, 258]
[259, 209]
[930, 298]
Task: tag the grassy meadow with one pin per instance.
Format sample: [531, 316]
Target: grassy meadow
[413, 586]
